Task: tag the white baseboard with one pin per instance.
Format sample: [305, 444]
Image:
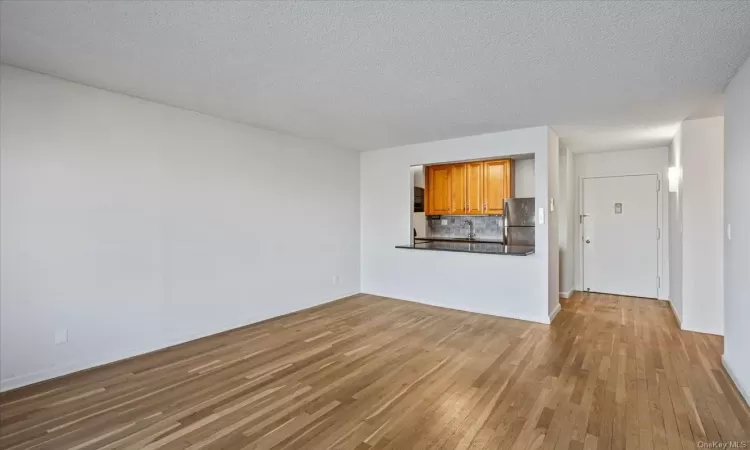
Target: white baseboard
[567, 294]
[742, 389]
[90, 363]
[555, 312]
[543, 319]
[689, 327]
[676, 315]
[77, 366]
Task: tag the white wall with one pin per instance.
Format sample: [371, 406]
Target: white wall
[696, 225]
[621, 163]
[567, 221]
[553, 261]
[417, 173]
[523, 178]
[675, 227]
[737, 214]
[135, 225]
[702, 192]
[419, 223]
[510, 286]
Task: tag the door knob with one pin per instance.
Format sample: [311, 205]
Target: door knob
[588, 241]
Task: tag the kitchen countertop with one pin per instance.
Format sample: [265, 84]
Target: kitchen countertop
[458, 239]
[491, 248]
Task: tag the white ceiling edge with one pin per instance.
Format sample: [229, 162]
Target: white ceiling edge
[575, 138]
[633, 149]
[588, 139]
[372, 75]
[260, 127]
[712, 107]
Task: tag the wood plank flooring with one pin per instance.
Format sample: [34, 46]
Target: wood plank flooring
[375, 373]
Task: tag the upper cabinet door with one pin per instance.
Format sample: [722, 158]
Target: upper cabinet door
[439, 189]
[458, 189]
[474, 187]
[496, 185]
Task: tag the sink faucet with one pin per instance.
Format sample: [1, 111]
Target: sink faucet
[471, 228]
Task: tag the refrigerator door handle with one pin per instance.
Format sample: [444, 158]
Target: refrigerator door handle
[506, 210]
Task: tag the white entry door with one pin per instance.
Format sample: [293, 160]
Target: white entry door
[620, 235]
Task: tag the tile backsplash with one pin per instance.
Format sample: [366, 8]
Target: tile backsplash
[485, 227]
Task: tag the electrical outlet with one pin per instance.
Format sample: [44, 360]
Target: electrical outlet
[61, 336]
[444, 222]
[499, 222]
[335, 279]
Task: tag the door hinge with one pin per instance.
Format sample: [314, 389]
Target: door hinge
[658, 281]
[658, 185]
[658, 234]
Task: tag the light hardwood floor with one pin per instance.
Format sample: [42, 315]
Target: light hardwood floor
[375, 373]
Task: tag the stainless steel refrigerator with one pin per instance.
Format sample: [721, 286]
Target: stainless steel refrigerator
[519, 220]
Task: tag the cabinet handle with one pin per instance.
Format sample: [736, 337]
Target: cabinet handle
[485, 206]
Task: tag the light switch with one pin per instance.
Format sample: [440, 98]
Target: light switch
[729, 231]
[541, 216]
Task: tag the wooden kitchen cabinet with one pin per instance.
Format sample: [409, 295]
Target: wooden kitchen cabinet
[474, 187]
[471, 188]
[458, 189]
[497, 185]
[438, 189]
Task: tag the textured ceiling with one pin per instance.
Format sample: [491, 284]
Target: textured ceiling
[368, 75]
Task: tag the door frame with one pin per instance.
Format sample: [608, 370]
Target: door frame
[661, 219]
